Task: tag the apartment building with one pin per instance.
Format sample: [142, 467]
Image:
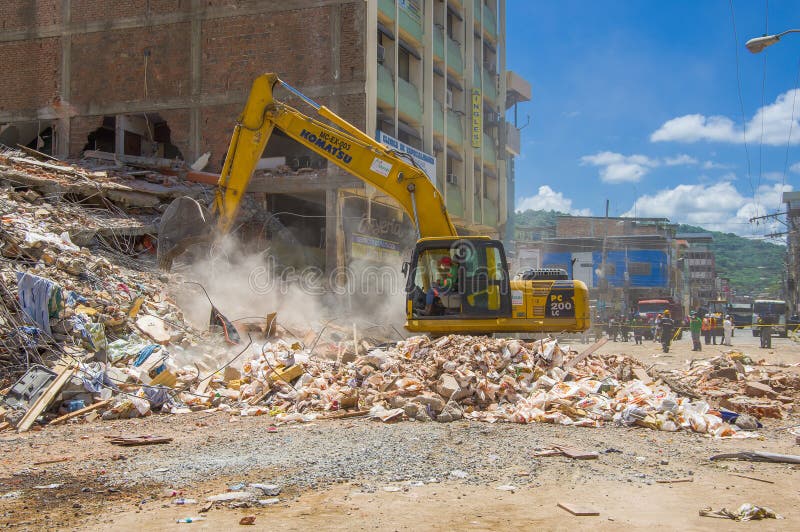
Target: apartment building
[169, 77]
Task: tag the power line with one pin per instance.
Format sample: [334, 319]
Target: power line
[791, 126]
[739, 91]
[763, 104]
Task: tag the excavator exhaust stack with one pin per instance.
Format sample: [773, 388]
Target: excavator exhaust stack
[184, 224]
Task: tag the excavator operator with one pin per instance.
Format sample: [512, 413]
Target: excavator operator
[445, 284]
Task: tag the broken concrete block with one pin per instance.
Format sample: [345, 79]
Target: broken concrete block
[154, 328]
[449, 388]
[755, 407]
[435, 403]
[757, 389]
[728, 373]
[450, 413]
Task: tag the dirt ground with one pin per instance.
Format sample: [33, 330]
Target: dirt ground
[359, 474]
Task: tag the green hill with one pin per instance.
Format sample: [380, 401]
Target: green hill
[755, 268]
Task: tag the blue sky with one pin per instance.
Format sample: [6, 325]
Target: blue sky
[636, 101]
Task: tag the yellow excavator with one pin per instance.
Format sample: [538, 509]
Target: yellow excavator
[454, 284]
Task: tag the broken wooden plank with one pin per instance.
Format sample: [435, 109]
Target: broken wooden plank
[36, 153]
[547, 452]
[588, 351]
[578, 509]
[753, 478]
[345, 415]
[52, 461]
[675, 480]
[130, 441]
[80, 412]
[577, 454]
[45, 399]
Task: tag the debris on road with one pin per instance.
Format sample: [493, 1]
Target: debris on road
[746, 512]
[132, 441]
[580, 510]
[756, 456]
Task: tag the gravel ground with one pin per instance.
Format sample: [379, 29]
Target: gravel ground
[101, 482]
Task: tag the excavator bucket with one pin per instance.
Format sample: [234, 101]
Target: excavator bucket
[184, 224]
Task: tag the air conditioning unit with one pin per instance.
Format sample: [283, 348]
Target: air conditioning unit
[452, 179]
[449, 99]
[381, 53]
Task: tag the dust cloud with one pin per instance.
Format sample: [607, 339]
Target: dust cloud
[250, 285]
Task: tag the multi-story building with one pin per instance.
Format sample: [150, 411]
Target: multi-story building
[169, 78]
[701, 267]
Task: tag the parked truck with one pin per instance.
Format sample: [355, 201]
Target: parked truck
[648, 309]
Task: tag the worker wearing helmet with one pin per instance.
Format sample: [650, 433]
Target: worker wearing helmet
[667, 330]
[444, 284]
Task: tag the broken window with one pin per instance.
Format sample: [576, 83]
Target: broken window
[140, 135]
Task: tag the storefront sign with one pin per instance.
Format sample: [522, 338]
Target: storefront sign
[477, 118]
[426, 162]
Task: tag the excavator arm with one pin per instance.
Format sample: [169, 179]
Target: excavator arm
[344, 146]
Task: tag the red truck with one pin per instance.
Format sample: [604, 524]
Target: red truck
[648, 309]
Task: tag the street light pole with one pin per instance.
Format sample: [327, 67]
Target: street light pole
[757, 44]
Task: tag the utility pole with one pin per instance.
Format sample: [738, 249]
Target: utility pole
[604, 280]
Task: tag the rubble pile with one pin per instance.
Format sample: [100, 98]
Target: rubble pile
[484, 379]
[81, 295]
[733, 381]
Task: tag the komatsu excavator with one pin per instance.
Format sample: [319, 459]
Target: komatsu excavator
[477, 297]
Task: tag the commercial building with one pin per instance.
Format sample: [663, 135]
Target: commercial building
[701, 267]
[168, 78]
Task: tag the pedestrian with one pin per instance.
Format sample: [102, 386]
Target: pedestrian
[657, 328]
[638, 326]
[727, 330]
[714, 331]
[706, 328]
[667, 329]
[765, 325]
[695, 327]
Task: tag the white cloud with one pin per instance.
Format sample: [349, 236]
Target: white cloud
[795, 168]
[618, 168]
[775, 119]
[680, 160]
[717, 207]
[548, 199]
[711, 165]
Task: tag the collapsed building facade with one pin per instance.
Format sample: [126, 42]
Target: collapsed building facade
[167, 79]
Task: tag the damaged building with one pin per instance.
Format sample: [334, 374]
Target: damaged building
[166, 79]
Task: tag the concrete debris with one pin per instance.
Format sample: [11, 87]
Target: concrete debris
[80, 289]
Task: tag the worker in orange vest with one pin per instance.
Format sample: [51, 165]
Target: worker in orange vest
[705, 327]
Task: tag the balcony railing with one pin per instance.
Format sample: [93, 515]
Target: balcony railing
[455, 200]
[512, 139]
[409, 102]
[385, 86]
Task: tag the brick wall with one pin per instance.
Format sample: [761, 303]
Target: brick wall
[20, 14]
[216, 124]
[94, 10]
[178, 122]
[110, 66]
[30, 79]
[79, 129]
[294, 44]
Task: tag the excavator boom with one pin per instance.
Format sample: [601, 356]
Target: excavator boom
[482, 300]
[345, 146]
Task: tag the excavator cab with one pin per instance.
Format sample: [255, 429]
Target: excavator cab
[457, 278]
